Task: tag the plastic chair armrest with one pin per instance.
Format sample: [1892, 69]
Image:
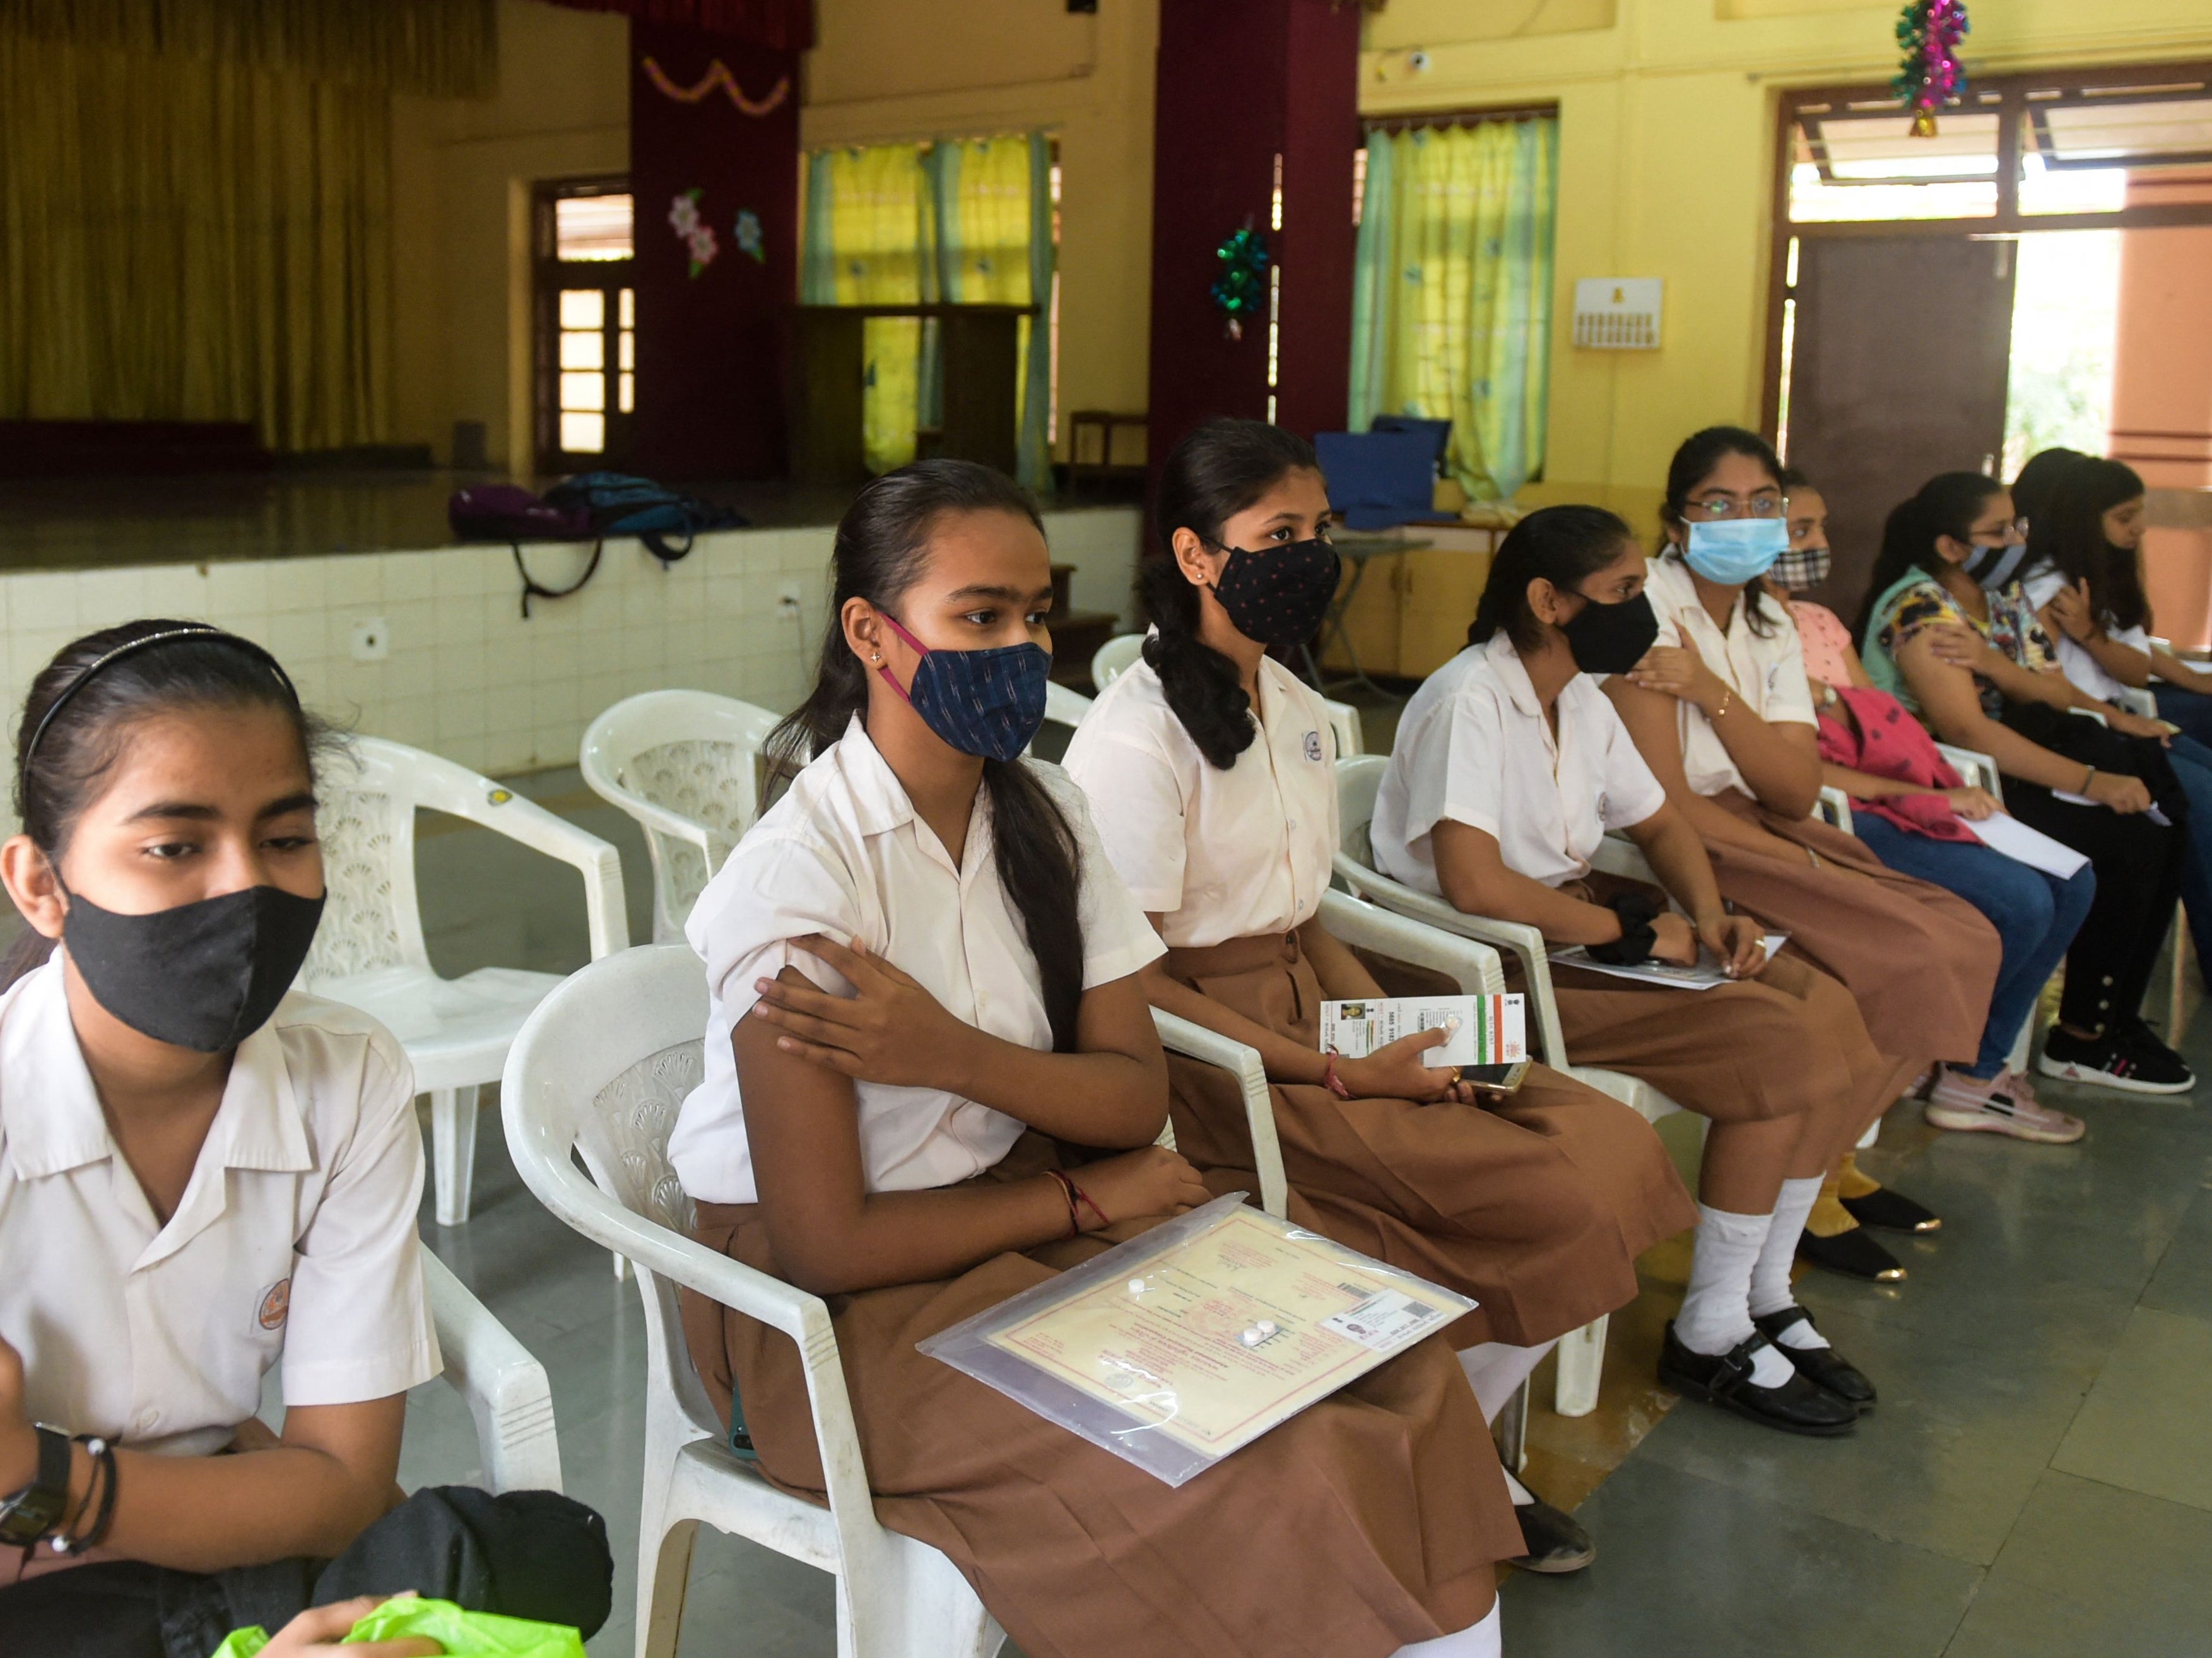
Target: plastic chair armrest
[1195, 1041]
[1469, 963]
[1835, 808]
[1976, 767]
[506, 1387]
[530, 824]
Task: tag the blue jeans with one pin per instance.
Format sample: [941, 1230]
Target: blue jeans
[2190, 710]
[2036, 915]
[2192, 764]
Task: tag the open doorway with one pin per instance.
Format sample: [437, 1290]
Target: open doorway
[2024, 278]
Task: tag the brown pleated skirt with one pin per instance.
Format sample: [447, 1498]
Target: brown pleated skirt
[1921, 962]
[1536, 1206]
[1372, 1520]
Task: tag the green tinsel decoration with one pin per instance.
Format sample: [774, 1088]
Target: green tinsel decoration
[1241, 289]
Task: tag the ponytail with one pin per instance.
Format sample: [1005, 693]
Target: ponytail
[881, 550]
[1220, 469]
[1947, 505]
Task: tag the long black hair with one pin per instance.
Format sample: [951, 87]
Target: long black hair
[1947, 505]
[2038, 477]
[1565, 546]
[1693, 462]
[882, 548]
[92, 723]
[1218, 470]
[2068, 535]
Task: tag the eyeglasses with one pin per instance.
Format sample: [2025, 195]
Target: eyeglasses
[1711, 508]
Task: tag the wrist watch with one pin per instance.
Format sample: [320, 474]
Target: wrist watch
[32, 1513]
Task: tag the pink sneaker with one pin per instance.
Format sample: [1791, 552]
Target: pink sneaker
[2004, 1104]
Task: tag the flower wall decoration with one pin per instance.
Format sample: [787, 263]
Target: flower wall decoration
[691, 229]
[748, 232]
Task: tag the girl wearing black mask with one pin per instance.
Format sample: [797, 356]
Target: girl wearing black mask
[1951, 557]
[203, 1178]
[1210, 770]
[924, 1006]
[1509, 767]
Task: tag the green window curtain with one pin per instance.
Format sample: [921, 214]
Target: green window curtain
[964, 222]
[202, 240]
[1452, 292]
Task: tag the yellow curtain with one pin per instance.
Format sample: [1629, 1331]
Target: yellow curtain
[987, 228]
[192, 242]
[1452, 292]
[874, 239]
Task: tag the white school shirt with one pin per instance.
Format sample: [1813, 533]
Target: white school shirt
[2082, 670]
[1473, 746]
[1768, 671]
[294, 1243]
[1217, 855]
[845, 854]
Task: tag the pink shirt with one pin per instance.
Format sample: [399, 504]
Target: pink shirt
[1827, 642]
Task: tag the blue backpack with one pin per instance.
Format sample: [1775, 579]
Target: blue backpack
[619, 504]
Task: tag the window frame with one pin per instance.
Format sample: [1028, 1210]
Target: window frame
[549, 275]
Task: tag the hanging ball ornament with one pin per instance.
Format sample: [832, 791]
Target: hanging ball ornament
[1240, 290]
[1931, 75]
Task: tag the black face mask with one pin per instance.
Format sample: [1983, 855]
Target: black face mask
[1612, 638]
[1280, 596]
[204, 975]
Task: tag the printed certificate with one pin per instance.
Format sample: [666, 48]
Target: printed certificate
[1240, 1324]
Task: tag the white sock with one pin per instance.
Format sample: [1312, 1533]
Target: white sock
[1716, 1308]
[1496, 1369]
[1482, 1640]
[1770, 1275]
[1520, 1494]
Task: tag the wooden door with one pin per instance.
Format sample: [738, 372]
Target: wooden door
[1897, 373]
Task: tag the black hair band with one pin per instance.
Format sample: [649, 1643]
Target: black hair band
[132, 648]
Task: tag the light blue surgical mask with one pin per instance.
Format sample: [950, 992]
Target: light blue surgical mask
[1733, 550]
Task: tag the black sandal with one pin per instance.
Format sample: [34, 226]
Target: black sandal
[1888, 1211]
[1853, 1253]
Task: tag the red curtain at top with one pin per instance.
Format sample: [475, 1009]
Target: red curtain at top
[779, 25]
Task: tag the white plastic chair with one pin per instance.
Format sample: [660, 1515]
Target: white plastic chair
[1582, 1352]
[600, 1070]
[684, 765]
[1120, 654]
[504, 1386]
[369, 954]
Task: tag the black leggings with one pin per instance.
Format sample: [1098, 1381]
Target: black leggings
[527, 1554]
[2138, 864]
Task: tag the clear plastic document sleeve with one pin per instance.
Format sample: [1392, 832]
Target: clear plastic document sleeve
[1179, 1348]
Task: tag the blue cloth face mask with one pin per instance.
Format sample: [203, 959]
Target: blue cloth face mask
[987, 703]
[1993, 567]
[1733, 550]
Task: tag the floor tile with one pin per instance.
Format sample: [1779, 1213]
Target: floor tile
[2183, 1282]
[2090, 1571]
[1687, 1569]
[2145, 1426]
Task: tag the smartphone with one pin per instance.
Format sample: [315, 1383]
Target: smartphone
[1496, 1078]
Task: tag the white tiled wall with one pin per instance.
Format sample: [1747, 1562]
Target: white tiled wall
[467, 678]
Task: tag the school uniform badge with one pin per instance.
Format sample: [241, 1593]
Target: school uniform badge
[275, 1305]
[1313, 745]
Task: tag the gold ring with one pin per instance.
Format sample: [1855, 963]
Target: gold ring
[1455, 1074]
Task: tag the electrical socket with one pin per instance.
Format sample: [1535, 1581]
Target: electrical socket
[787, 600]
[372, 640]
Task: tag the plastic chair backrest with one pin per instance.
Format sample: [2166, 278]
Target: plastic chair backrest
[684, 764]
[1064, 707]
[1358, 779]
[1115, 658]
[365, 820]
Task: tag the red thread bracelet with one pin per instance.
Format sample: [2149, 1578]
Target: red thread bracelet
[1067, 1190]
[1085, 1197]
[1331, 1081]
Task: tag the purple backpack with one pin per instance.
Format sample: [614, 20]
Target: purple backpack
[508, 512]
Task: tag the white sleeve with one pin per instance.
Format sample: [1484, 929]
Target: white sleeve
[1137, 808]
[359, 1325]
[2045, 585]
[1456, 768]
[772, 890]
[1632, 793]
[1788, 693]
[1117, 937]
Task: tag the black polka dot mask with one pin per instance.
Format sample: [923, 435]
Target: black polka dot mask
[1278, 597]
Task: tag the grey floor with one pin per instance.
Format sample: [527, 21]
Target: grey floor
[2036, 1484]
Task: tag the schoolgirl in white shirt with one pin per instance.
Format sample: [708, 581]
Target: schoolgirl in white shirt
[1210, 772]
[934, 1083]
[1509, 768]
[202, 1178]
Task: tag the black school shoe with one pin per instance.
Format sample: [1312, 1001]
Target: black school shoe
[1796, 1407]
[2119, 1058]
[1853, 1253]
[1553, 1540]
[1892, 1211]
[1823, 1367]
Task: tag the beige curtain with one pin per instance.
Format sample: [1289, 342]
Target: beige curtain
[187, 238]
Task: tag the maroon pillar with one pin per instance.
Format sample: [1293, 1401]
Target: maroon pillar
[710, 400]
[1241, 82]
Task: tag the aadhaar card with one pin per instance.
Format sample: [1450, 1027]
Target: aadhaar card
[1478, 1030]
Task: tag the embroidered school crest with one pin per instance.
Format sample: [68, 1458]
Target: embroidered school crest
[1313, 745]
[275, 1305]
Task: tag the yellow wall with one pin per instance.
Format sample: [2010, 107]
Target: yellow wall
[1666, 112]
[460, 194]
[884, 69]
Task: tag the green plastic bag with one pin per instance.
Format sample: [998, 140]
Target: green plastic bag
[463, 1634]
